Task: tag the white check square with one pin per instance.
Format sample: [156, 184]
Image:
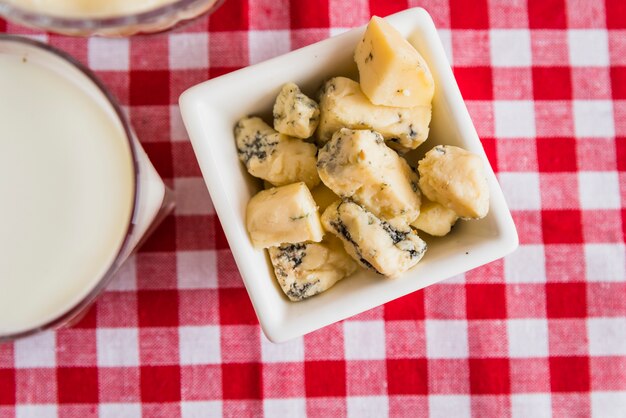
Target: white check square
[608, 404]
[201, 409]
[527, 338]
[368, 406]
[200, 345]
[119, 410]
[599, 190]
[607, 336]
[514, 119]
[36, 351]
[188, 50]
[588, 47]
[446, 339]
[279, 408]
[108, 54]
[446, 406]
[536, 405]
[521, 190]
[593, 118]
[510, 47]
[364, 340]
[605, 262]
[197, 269]
[36, 411]
[267, 44]
[527, 264]
[288, 351]
[117, 347]
[125, 279]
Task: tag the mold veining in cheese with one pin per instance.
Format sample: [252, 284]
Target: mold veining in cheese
[274, 157]
[357, 164]
[294, 113]
[375, 243]
[308, 268]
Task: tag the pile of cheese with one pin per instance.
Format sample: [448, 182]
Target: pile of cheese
[343, 159]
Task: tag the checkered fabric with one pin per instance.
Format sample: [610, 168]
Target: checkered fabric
[540, 333]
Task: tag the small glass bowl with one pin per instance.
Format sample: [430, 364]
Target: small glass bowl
[156, 20]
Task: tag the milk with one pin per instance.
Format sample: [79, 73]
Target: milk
[66, 192]
[90, 8]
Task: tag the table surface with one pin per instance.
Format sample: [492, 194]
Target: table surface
[541, 332]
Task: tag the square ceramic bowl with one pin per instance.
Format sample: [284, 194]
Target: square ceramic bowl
[210, 111]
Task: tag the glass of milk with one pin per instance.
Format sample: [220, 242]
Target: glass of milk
[77, 191]
[104, 17]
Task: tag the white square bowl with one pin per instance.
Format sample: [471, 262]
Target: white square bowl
[210, 111]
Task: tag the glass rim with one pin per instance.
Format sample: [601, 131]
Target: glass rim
[125, 243]
[94, 24]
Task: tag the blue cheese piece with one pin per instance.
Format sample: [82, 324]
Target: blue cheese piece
[308, 268]
[274, 157]
[375, 243]
[456, 179]
[323, 196]
[343, 104]
[435, 219]
[295, 114]
[280, 215]
[357, 164]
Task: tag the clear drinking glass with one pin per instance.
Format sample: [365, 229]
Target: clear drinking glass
[152, 200]
[156, 20]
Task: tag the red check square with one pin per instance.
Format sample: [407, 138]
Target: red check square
[552, 83]
[231, 16]
[546, 14]
[242, 381]
[149, 87]
[410, 306]
[566, 300]
[615, 14]
[235, 307]
[618, 82]
[407, 376]
[608, 373]
[476, 83]
[561, 226]
[77, 384]
[556, 154]
[569, 374]
[486, 301]
[325, 378]
[386, 7]
[489, 376]
[466, 14]
[309, 14]
[160, 383]
[157, 308]
[7, 385]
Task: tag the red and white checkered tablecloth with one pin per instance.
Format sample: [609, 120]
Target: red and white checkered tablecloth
[540, 333]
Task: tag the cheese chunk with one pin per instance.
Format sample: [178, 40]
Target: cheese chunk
[271, 156]
[295, 114]
[357, 164]
[376, 244]
[456, 179]
[323, 196]
[286, 214]
[391, 71]
[343, 105]
[308, 268]
[434, 218]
